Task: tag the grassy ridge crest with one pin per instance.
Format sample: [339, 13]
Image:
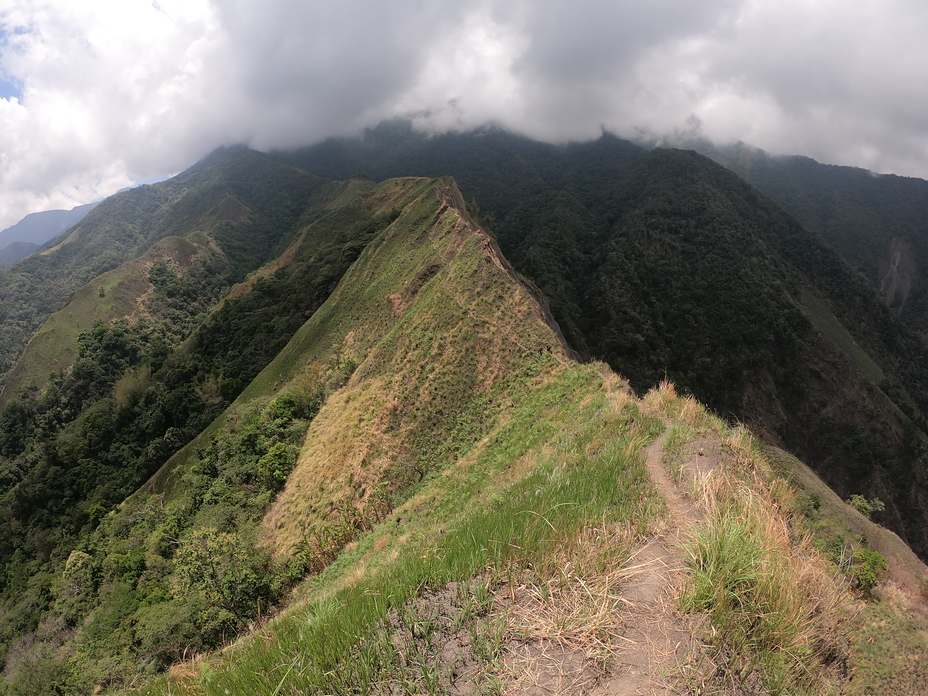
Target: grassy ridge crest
[503, 463]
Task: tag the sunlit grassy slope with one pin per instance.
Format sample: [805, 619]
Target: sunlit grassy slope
[467, 462]
[435, 341]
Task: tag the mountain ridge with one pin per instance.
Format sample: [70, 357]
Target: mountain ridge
[38, 228]
[382, 410]
[554, 226]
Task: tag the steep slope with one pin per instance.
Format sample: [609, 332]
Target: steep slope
[402, 273]
[493, 577]
[878, 223]
[539, 562]
[147, 350]
[702, 280]
[144, 385]
[179, 280]
[430, 259]
[666, 265]
[248, 203]
[111, 296]
[443, 331]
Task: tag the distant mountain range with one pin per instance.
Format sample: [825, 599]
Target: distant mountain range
[16, 251]
[30, 233]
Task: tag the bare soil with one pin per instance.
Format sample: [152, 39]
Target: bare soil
[656, 649]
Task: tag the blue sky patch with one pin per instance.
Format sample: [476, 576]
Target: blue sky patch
[8, 87]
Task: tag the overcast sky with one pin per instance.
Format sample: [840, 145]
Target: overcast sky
[100, 94]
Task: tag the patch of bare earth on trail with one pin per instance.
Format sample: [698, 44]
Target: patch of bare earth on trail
[623, 637]
[662, 646]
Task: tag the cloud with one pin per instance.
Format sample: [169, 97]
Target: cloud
[97, 81]
[107, 92]
[839, 81]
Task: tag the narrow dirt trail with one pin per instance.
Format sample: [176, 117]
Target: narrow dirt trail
[658, 641]
[654, 643]
[652, 648]
[681, 510]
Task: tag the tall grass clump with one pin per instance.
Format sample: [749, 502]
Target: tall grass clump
[771, 599]
[664, 401]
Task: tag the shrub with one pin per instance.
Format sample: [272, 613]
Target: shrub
[867, 569]
[275, 466]
[226, 571]
[866, 507]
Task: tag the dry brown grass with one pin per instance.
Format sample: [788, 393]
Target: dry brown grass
[786, 581]
[466, 328]
[185, 675]
[574, 597]
[600, 610]
[696, 416]
[660, 400]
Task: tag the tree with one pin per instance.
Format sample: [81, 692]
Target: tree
[866, 507]
[226, 571]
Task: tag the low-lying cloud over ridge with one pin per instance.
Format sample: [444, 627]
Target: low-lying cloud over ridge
[100, 94]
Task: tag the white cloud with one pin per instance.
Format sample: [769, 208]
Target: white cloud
[96, 79]
[115, 91]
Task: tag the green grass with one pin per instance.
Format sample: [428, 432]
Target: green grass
[441, 337]
[495, 459]
[478, 524]
[358, 308]
[678, 436]
[737, 580]
[889, 648]
[492, 453]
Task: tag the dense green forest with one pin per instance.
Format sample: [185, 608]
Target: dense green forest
[878, 223]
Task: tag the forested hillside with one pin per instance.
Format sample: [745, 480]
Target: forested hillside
[126, 569]
[248, 202]
[667, 266]
[878, 223]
